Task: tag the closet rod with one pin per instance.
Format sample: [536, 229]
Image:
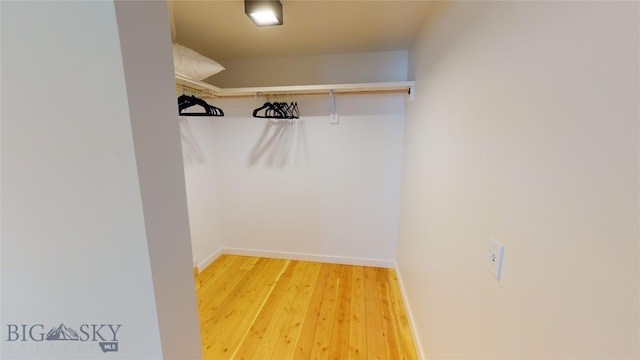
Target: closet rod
[316, 93]
[361, 88]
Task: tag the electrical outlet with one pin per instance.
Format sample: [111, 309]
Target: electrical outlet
[496, 252]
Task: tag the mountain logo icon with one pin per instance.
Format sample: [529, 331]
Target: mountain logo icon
[62, 333]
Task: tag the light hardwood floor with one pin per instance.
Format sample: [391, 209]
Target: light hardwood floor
[259, 308]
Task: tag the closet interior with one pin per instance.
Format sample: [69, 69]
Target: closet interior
[304, 165]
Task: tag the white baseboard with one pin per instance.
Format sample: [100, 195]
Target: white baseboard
[309, 257]
[211, 258]
[412, 324]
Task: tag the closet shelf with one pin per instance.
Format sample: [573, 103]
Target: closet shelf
[382, 87]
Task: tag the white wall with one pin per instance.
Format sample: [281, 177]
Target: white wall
[148, 69]
[313, 70]
[82, 241]
[200, 172]
[524, 128]
[302, 189]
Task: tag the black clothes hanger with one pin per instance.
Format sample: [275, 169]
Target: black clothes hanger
[265, 107]
[295, 112]
[277, 110]
[186, 101]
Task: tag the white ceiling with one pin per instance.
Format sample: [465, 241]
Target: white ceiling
[221, 30]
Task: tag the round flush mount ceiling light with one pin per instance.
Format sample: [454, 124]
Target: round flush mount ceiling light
[264, 12]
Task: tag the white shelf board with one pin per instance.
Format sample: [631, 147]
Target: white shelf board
[198, 85]
[399, 86]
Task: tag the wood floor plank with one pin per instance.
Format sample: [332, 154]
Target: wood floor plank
[210, 276]
[389, 331]
[307, 335]
[340, 330]
[322, 340]
[259, 308]
[276, 328]
[249, 263]
[262, 321]
[235, 317]
[373, 308]
[219, 279]
[406, 346]
[218, 291]
[296, 313]
[357, 323]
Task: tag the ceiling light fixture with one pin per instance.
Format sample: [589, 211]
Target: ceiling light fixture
[264, 12]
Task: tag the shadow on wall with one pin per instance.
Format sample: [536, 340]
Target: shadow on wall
[191, 151]
[282, 142]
